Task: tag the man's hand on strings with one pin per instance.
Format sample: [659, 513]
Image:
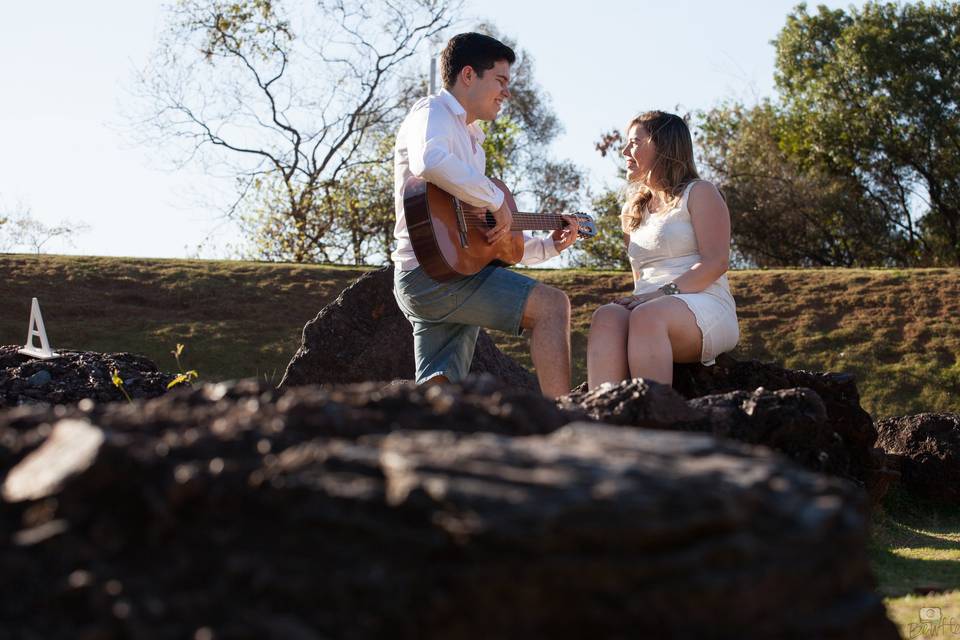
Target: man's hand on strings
[503, 218]
[566, 236]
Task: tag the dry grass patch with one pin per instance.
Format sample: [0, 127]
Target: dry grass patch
[894, 329]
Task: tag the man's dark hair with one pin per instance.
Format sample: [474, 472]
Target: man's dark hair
[472, 50]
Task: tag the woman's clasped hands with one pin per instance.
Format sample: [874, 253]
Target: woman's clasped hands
[631, 302]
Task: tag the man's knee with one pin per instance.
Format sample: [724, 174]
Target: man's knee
[561, 302]
[546, 302]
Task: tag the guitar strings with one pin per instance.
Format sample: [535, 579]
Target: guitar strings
[542, 221]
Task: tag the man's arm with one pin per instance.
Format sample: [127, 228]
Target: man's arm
[537, 250]
[431, 158]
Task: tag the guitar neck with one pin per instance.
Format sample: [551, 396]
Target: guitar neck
[536, 221]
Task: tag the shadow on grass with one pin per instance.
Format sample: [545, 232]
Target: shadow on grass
[915, 544]
[901, 576]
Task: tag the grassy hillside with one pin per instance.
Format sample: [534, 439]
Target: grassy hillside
[237, 319]
[896, 330]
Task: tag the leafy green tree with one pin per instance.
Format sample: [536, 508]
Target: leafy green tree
[364, 203]
[872, 95]
[785, 211]
[352, 223]
[607, 249]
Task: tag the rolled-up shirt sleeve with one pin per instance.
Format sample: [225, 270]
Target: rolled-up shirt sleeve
[537, 250]
[431, 158]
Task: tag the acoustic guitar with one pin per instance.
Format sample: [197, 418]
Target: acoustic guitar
[449, 236]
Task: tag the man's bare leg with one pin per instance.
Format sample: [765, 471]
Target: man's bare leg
[547, 317]
[434, 380]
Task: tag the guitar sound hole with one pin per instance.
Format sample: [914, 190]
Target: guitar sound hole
[491, 221]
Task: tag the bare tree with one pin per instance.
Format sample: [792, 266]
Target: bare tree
[285, 103]
[20, 230]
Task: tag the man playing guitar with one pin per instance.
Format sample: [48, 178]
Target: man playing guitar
[439, 141]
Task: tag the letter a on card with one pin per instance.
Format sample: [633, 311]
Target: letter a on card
[36, 330]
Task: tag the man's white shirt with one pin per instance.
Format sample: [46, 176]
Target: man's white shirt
[436, 143]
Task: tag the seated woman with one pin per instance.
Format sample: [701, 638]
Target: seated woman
[677, 231]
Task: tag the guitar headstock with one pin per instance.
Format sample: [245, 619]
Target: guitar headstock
[588, 228]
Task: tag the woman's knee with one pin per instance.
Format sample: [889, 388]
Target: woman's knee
[648, 319]
[610, 315]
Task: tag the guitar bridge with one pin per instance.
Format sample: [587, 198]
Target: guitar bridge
[461, 224]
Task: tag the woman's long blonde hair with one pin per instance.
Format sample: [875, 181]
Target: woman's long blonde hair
[673, 169]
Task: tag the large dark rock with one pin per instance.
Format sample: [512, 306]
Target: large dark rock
[363, 336]
[838, 391]
[243, 512]
[927, 449]
[76, 375]
[792, 421]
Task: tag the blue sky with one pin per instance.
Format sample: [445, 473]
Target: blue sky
[63, 153]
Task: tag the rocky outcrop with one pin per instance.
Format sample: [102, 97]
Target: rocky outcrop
[839, 393]
[927, 450]
[362, 336]
[791, 421]
[76, 375]
[846, 418]
[241, 511]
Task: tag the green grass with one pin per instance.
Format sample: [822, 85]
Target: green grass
[896, 330]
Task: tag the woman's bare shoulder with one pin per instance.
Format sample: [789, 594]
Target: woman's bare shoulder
[704, 195]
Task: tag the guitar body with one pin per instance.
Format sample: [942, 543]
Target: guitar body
[438, 235]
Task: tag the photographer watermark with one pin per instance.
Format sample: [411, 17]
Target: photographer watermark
[932, 624]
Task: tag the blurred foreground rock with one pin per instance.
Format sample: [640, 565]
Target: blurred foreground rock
[365, 512]
[362, 336]
[76, 375]
[927, 449]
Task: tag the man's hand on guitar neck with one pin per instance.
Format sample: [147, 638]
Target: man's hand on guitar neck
[503, 218]
[563, 238]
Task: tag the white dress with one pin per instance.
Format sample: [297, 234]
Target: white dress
[663, 248]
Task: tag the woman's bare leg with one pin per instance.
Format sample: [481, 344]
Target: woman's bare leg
[662, 331]
[607, 345]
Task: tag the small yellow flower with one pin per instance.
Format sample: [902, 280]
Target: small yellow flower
[118, 383]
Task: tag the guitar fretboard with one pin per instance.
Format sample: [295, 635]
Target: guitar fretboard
[536, 221]
[532, 222]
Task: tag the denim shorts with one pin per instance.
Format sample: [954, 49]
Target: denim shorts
[447, 316]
